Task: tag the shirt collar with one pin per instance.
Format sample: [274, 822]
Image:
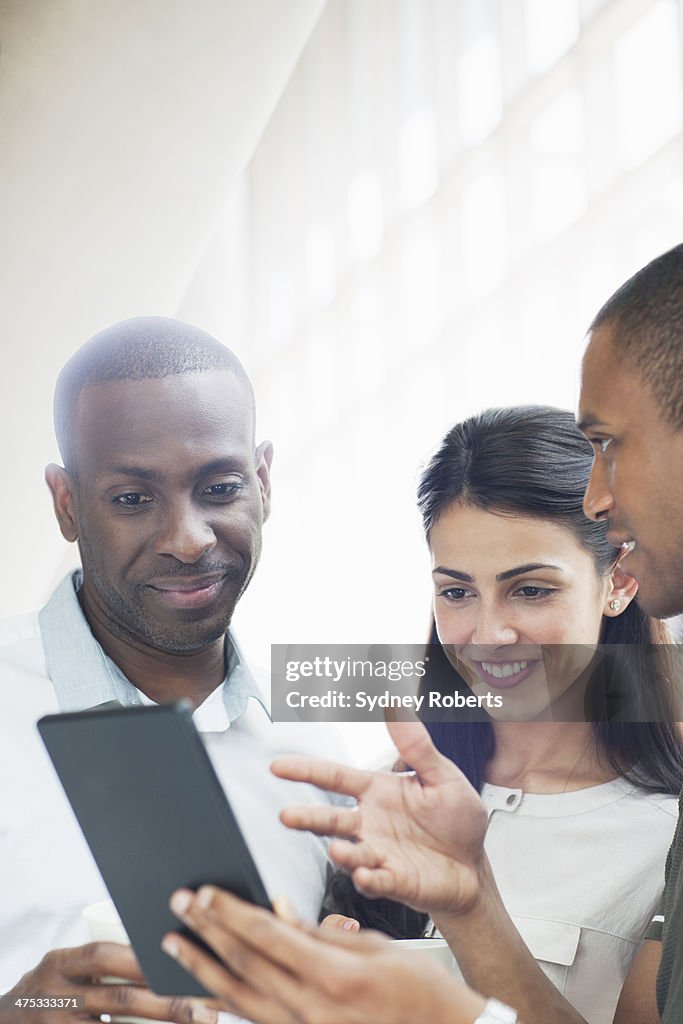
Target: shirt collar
[83, 676]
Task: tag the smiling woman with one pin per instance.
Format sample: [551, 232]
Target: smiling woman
[528, 597]
[530, 629]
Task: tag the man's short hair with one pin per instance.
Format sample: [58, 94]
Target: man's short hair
[143, 347]
[645, 317]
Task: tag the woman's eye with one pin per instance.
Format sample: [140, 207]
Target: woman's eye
[132, 499]
[455, 594]
[535, 592]
[602, 443]
[223, 490]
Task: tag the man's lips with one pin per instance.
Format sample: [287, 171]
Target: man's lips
[188, 591]
[187, 582]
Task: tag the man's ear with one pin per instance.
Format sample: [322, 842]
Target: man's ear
[622, 590]
[264, 458]
[62, 490]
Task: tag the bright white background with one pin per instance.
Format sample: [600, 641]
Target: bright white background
[397, 212]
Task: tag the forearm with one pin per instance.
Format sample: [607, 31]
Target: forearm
[495, 961]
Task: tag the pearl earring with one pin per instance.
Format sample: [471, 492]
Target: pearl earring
[615, 605]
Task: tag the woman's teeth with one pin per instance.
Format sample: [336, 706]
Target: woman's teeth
[510, 668]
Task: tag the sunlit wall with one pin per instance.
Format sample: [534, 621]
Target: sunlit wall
[447, 192]
[443, 198]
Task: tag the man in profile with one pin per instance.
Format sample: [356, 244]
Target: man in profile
[165, 492]
[631, 410]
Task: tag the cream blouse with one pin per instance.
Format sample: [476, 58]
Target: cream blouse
[580, 874]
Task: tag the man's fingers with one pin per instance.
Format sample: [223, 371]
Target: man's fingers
[228, 924]
[128, 1000]
[335, 778]
[415, 746]
[238, 996]
[96, 959]
[100, 959]
[286, 963]
[323, 820]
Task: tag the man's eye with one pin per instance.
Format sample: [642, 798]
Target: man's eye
[132, 499]
[602, 443]
[222, 490]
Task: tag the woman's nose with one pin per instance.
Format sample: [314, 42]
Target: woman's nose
[494, 626]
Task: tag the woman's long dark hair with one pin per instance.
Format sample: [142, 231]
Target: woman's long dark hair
[533, 461]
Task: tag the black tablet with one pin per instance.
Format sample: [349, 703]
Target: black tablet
[155, 817]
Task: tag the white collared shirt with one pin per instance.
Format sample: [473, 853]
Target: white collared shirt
[50, 663]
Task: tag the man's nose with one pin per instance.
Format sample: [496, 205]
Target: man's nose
[186, 535]
[598, 500]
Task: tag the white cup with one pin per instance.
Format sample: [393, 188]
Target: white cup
[104, 923]
[436, 949]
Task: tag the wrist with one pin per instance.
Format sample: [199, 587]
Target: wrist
[456, 1003]
[481, 900]
[462, 1006]
[471, 1008]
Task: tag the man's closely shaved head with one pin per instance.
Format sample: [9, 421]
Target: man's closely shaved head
[644, 319]
[143, 347]
[163, 487]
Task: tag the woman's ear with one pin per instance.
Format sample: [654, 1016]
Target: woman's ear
[622, 590]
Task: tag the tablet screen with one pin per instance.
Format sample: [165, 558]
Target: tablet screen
[155, 817]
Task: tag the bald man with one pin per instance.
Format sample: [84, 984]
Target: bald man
[165, 492]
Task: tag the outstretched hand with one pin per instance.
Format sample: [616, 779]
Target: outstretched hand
[416, 837]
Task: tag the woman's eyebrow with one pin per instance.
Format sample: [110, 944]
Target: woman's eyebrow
[454, 574]
[521, 569]
[509, 574]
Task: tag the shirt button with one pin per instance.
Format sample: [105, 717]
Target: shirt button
[511, 800]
